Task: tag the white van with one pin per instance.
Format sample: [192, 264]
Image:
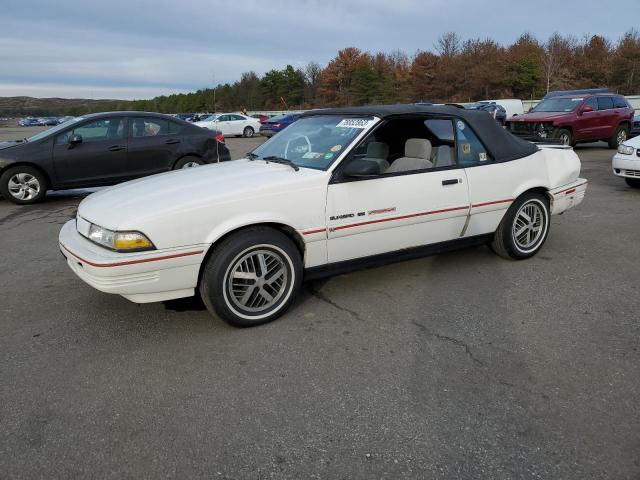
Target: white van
[513, 106]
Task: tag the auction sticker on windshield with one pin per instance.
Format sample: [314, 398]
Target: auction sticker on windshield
[356, 123]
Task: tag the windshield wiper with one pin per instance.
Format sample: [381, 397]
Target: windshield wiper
[252, 156]
[283, 161]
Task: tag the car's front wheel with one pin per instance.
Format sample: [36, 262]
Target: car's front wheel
[524, 228]
[23, 185]
[633, 182]
[251, 277]
[248, 132]
[565, 137]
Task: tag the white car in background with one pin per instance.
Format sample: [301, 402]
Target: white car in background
[338, 189]
[626, 163]
[231, 124]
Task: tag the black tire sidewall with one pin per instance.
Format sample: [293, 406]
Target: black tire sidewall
[513, 249]
[213, 285]
[10, 172]
[633, 182]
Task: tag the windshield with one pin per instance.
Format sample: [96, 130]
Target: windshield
[210, 118]
[558, 105]
[315, 142]
[53, 130]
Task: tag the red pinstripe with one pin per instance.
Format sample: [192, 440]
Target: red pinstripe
[133, 262]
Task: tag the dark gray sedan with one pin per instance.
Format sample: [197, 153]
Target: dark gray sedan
[103, 149]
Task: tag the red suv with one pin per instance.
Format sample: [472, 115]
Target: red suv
[573, 118]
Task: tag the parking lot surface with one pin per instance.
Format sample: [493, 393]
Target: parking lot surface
[462, 365]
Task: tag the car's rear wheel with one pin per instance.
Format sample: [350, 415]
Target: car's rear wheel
[565, 136]
[251, 277]
[633, 182]
[524, 228]
[188, 162]
[23, 185]
[248, 132]
[620, 136]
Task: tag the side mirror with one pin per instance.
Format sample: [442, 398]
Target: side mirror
[362, 168]
[75, 139]
[586, 108]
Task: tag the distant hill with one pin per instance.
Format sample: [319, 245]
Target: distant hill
[22, 106]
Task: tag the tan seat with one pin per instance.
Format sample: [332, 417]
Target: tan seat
[417, 154]
[378, 152]
[442, 156]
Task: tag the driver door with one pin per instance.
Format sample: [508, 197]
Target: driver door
[401, 209]
[101, 157]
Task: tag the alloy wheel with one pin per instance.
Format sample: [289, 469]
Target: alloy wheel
[257, 280]
[529, 226]
[191, 165]
[622, 136]
[24, 186]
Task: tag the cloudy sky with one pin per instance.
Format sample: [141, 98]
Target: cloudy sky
[141, 48]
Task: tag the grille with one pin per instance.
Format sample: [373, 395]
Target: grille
[523, 128]
[632, 173]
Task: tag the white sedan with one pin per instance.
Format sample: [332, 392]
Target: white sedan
[339, 189]
[231, 124]
[626, 163]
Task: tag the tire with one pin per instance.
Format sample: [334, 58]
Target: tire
[23, 185]
[188, 162]
[516, 247]
[621, 134]
[633, 182]
[242, 302]
[248, 132]
[565, 136]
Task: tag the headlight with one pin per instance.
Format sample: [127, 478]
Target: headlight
[625, 149]
[119, 241]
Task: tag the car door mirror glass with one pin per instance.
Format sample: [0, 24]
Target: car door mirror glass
[587, 108]
[75, 139]
[362, 168]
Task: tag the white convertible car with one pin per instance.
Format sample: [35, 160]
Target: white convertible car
[339, 189]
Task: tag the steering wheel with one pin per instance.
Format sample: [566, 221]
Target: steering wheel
[308, 149]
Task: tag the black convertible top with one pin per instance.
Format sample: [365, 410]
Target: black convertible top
[501, 144]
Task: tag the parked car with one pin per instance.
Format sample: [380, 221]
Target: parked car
[626, 163]
[184, 116]
[29, 122]
[577, 118]
[103, 149]
[338, 189]
[261, 118]
[231, 124]
[48, 121]
[498, 112]
[512, 106]
[277, 124]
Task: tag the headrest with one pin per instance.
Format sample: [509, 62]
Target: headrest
[418, 148]
[377, 150]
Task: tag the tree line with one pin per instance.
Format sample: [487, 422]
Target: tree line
[455, 70]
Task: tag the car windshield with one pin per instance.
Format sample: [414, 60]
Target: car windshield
[315, 142]
[54, 130]
[210, 118]
[558, 105]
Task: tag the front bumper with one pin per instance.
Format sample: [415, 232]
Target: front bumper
[141, 277]
[627, 166]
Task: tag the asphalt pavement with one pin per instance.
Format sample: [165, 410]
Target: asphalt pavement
[463, 365]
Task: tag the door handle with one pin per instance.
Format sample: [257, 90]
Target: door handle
[115, 148]
[451, 181]
[172, 141]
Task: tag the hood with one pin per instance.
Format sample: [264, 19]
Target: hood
[127, 205]
[540, 116]
[633, 142]
[11, 143]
